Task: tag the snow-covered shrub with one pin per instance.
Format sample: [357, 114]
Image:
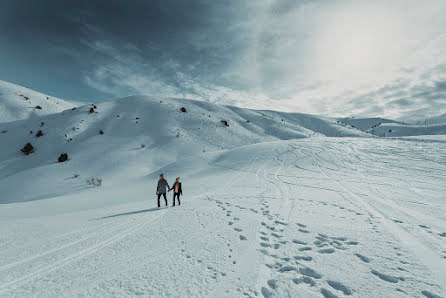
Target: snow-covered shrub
[94, 181]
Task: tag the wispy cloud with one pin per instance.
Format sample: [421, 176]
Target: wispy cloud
[291, 58]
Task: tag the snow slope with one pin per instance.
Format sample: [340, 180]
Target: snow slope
[17, 102]
[304, 218]
[271, 208]
[390, 128]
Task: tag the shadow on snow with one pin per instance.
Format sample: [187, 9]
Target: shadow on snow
[131, 213]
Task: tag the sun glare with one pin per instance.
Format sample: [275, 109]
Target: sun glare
[356, 43]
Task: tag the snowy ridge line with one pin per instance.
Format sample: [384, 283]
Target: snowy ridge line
[81, 254]
[427, 256]
[102, 228]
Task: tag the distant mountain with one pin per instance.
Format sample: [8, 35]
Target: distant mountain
[17, 103]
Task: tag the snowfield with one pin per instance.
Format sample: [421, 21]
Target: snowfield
[274, 205]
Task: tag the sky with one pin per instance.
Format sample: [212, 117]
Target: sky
[328, 57]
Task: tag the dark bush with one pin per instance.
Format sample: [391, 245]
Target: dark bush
[27, 149]
[38, 107]
[91, 111]
[101, 132]
[183, 110]
[63, 157]
[224, 122]
[39, 134]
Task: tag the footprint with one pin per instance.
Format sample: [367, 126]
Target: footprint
[266, 293]
[303, 258]
[280, 223]
[264, 238]
[299, 242]
[339, 286]
[287, 268]
[303, 231]
[327, 294]
[339, 238]
[304, 279]
[276, 235]
[310, 272]
[326, 251]
[397, 221]
[429, 294]
[243, 237]
[305, 248]
[230, 223]
[363, 258]
[276, 246]
[423, 226]
[301, 225]
[443, 234]
[265, 252]
[272, 284]
[263, 244]
[238, 229]
[352, 242]
[385, 277]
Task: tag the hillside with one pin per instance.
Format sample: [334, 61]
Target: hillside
[17, 103]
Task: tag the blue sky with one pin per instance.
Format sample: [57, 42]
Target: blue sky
[339, 58]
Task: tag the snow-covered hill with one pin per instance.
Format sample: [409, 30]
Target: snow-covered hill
[128, 123]
[274, 204]
[390, 128]
[17, 102]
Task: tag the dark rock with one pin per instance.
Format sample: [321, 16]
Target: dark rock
[101, 132]
[91, 111]
[73, 109]
[27, 149]
[137, 118]
[42, 123]
[38, 107]
[39, 134]
[224, 122]
[183, 110]
[63, 157]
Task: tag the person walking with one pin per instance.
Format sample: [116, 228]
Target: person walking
[161, 189]
[177, 191]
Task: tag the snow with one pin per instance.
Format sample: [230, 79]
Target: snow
[270, 208]
[17, 103]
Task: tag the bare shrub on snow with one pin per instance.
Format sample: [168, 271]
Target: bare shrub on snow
[94, 181]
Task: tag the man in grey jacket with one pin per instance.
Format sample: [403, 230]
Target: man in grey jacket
[161, 189]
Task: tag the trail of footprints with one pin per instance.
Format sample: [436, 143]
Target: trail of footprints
[297, 267]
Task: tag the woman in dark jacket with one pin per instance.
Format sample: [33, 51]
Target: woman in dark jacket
[177, 191]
